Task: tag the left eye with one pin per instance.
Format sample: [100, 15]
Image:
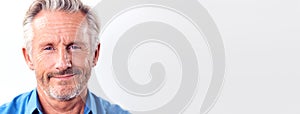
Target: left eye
[73, 47]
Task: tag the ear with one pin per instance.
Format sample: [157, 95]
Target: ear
[27, 58]
[96, 55]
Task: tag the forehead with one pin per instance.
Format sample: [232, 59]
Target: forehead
[48, 24]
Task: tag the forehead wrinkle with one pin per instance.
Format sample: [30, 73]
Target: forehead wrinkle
[58, 19]
[60, 25]
[57, 26]
[65, 40]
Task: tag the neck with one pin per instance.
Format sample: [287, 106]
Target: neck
[72, 106]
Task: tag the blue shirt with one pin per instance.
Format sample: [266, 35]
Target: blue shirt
[28, 103]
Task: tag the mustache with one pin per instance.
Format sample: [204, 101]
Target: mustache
[69, 71]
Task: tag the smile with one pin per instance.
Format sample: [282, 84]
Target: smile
[63, 77]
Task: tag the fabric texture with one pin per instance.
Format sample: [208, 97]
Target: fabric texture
[28, 103]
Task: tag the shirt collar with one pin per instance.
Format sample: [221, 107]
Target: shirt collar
[90, 104]
[34, 104]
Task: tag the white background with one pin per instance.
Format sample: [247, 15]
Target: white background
[261, 39]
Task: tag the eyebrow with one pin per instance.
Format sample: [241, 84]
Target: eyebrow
[46, 43]
[42, 44]
[77, 43]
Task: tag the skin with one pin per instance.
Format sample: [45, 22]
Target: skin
[62, 58]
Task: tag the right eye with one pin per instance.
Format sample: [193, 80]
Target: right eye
[49, 48]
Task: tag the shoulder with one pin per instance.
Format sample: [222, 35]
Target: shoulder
[108, 107]
[16, 105]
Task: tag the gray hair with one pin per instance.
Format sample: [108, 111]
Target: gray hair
[69, 6]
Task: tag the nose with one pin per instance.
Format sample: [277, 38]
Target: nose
[63, 60]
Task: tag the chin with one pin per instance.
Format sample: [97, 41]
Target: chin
[65, 93]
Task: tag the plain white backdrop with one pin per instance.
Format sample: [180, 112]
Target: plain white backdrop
[261, 39]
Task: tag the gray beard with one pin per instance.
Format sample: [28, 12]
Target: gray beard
[67, 94]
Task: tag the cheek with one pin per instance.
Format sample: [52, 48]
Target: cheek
[43, 64]
[44, 61]
[82, 60]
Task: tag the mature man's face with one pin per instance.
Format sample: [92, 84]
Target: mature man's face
[61, 53]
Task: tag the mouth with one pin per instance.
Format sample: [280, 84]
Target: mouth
[63, 77]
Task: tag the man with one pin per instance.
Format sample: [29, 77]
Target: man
[61, 46]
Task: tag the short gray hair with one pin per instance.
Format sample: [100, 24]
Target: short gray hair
[69, 6]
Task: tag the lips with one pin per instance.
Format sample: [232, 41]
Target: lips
[63, 76]
[66, 74]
